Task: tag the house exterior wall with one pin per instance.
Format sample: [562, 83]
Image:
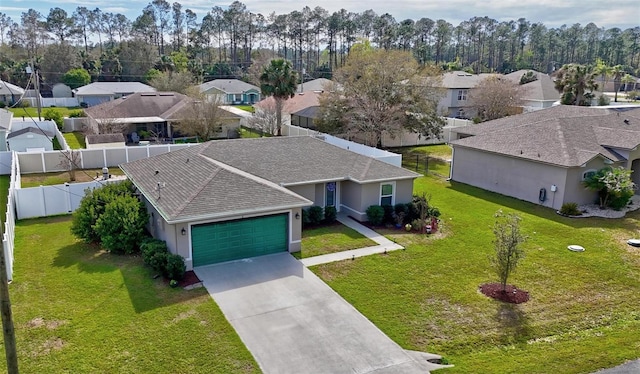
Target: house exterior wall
[511, 176]
[356, 198]
[92, 100]
[22, 142]
[575, 190]
[449, 105]
[308, 191]
[181, 244]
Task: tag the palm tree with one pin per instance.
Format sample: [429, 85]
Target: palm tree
[278, 79]
[617, 72]
[576, 83]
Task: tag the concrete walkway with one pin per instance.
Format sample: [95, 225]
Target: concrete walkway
[292, 322]
[384, 245]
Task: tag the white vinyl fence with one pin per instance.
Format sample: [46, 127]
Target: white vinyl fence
[50, 161]
[8, 235]
[378, 154]
[52, 200]
[47, 102]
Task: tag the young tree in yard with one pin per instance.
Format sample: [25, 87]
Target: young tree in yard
[70, 161]
[576, 84]
[496, 97]
[202, 117]
[382, 91]
[265, 118]
[278, 79]
[507, 245]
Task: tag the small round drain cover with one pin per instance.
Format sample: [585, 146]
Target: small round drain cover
[576, 248]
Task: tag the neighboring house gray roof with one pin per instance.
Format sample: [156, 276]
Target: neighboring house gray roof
[542, 89]
[229, 86]
[32, 130]
[7, 88]
[227, 177]
[310, 112]
[566, 136]
[296, 160]
[112, 88]
[194, 186]
[105, 138]
[462, 80]
[318, 84]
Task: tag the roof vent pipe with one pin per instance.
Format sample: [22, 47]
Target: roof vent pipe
[626, 121]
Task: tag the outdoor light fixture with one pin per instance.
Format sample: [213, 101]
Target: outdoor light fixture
[183, 231]
[297, 215]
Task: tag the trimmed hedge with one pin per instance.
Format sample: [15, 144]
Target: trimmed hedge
[330, 214]
[375, 214]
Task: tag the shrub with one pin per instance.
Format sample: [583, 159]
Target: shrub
[24, 104]
[77, 114]
[388, 214]
[2, 104]
[434, 212]
[150, 247]
[570, 209]
[121, 225]
[84, 105]
[305, 217]
[621, 199]
[400, 208]
[330, 214]
[92, 206]
[175, 267]
[412, 211]
[603, 100]
[55, 116]
[315, 215]
[375, 214]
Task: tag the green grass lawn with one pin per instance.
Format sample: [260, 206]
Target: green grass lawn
[33, 111]
[251, 133]
[329, 239]
[583, 312]
[78, 309]
[50, 179]
[435, 158]
[75, 140]
[246, 108]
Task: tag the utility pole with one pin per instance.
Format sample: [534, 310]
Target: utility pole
[31, 70]
[7, 317]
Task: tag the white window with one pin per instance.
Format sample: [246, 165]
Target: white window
[462, 95]
[237, 97]
[589, 173]
[387, 193]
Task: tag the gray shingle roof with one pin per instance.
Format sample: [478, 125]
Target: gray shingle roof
[563, 135]
[7, 88]
[32, 130]
[542, 89]
[230, 86]
[112, 88]
[193, 186]
[148, 104]
[461, 79]
[230, 176]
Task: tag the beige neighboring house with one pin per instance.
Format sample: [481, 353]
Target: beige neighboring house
[299, 110]
[10, 93]
[544, 156]
[193, 208]
[100, 141]
[317, 85]
[458, 86]
[538, 94]
[151, 112]
[100, 92]
[231, 91]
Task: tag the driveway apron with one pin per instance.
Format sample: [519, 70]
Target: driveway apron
[292, 322]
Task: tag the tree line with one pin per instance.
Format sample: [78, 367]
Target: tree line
[227, 42]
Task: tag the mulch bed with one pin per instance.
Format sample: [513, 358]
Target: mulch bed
[512, 294]
[189, 279]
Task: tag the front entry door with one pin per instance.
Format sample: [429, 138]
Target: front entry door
[330, 194]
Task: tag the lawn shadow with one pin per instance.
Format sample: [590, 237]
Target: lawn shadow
[514, 324]
[146, 290]
[534, 209]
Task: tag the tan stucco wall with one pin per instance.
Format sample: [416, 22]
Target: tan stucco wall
[307, 191]
[181, 244]
[575, 192]
[509, 176]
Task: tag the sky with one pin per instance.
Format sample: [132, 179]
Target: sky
[552, 13]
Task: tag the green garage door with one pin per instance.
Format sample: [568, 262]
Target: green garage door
[233, 240]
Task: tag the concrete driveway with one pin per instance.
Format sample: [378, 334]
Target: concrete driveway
[292, 322]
